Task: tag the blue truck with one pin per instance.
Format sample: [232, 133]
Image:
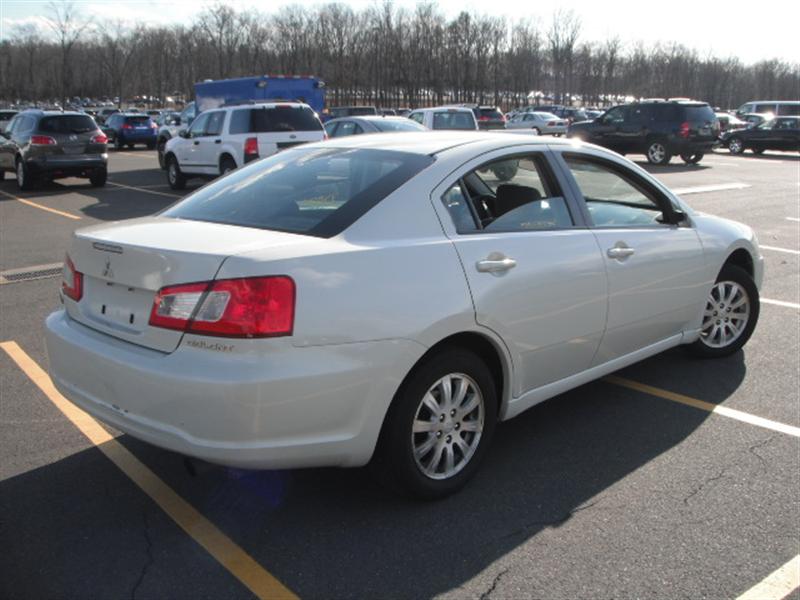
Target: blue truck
[215, 93]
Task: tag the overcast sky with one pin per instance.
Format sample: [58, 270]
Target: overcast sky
[722, 28]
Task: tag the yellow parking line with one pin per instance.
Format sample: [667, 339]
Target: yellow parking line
[778, 584]
[40, 207]
[707, 406]
[140, 189]
[240, 564]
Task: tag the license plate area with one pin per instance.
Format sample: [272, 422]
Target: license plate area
[118, 306]
[73, 149]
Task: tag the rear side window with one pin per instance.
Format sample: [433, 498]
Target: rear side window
[398, 125]
[453, 120]
[67, 124]
[666, 112]
[272, 120]
[313, 191]
[789, 109]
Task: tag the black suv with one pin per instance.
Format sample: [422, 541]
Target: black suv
[659, 129]
[40, 144]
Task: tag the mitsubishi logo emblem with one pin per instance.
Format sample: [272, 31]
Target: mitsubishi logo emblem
[108, 271]
[72, 138]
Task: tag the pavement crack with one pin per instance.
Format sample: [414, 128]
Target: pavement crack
[149, 561]
[558, 522]
[761, 444]
[487, 594]
[697, 490]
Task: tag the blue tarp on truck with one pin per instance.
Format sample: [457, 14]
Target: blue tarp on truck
[213, 94]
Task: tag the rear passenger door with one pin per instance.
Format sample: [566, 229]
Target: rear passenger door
[535, 271]
[657, 281]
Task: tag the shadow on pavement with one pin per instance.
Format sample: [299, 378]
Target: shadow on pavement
[334, 533]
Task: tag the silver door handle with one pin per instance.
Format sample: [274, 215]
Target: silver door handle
[620, 252]
[495, 264]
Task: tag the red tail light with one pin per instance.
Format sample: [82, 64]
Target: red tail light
[100, 138]
[250, 149]
[72, 280]
[483, 118]
[684, 130]
[252, 307]
[551, 124]
[42, 140]
[127, 126]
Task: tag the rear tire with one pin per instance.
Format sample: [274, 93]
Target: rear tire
[175, 178]
[431, 445]
[729, 315]
[24, 177]
[151, 145]
[130, 146]
[657, 153]
[226, 165]
[118, 145]
[735, 145]
[692, 159]
[536, 131]
[98, 177]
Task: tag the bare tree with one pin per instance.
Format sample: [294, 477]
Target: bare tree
[68, 26]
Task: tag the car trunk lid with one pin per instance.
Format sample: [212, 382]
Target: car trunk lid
[124, 265]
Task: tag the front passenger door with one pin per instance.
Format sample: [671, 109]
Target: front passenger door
[657, 281]
[189, 149]
[607, 133]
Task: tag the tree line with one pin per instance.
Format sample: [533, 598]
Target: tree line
[382, 54]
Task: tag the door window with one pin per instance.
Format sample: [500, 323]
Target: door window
[511, 194]
[614, 199]
[418, 117]
[615, 116]
[346, 128]
[198, 126]
[215, 121]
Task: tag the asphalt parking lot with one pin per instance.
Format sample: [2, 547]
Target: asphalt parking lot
[676, 478]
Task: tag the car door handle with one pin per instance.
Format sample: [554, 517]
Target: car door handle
[217, 141]
[495, 263]
[196, 143]
[620, 252]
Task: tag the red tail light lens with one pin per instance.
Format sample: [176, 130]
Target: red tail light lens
[127, 126]
[100, 138]
[252, 307]
[684, 130]
[72, 280]
[251, 148]
[42, 140]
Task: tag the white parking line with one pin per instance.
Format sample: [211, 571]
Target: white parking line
[792, 219]
[779, 303]
[700, 189]
[140, 189]
[776, 249]
[778, 584]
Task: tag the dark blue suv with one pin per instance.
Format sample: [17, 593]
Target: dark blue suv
[125, 129]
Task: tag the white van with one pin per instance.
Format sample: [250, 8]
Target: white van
[778, 108]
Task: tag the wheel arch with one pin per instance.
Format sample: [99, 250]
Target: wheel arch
[223, 155]
[742, 259]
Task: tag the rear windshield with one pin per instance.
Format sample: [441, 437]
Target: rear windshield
[67, 124]
[291, 117]
[699, 113]
[453, 120]
[492, 113]
[138, 121]
[313, 191]
[398, 125]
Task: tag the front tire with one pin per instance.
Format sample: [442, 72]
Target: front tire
[439, 426]
[657, 153]
[160, 146]
[24, 177]
[98, 177]
[536, 131]
[735, 145]
[729, 316]
[175, 178]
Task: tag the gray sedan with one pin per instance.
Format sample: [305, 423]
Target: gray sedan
[540, 123]
[370, 124]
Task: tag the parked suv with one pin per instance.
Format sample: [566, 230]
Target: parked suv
[41, 144]
[446, 117]
[172, 127]
[128, 130]
[659, 129]
[223, 139]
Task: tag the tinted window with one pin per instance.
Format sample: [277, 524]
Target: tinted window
[491, 113]
[358, 111]
[615, 115]
[666, 112]
[271, 120]
[453, 120]
[330, 128]
[215, 120]
[398, 125]
[613, 200]
[347, 128]
[67, 124]
[418, 117]
[311, 191]
[699, 114]
[142, 121]
[787, 124]
[789, 109]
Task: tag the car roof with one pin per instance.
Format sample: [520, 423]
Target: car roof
[435, 142]
[370, 118]
[444, 109]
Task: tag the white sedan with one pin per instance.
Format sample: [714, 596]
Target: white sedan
[390, 298]
[539, 123]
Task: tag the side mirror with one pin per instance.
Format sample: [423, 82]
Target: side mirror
[184, 133]
[676, 217]
[5, 134]
[175, 121]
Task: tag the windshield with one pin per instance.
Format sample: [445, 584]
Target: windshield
[67, 124]
[314, 191]
[398, 125]
[138, 121]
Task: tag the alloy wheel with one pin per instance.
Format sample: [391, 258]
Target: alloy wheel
[172, 172]
[20, 174]
[735, 146]
[447, 426]
[726, 314]
[656, 152]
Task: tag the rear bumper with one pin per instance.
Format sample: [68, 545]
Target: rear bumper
[286, 407]
[67, 165]
[136, 138]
